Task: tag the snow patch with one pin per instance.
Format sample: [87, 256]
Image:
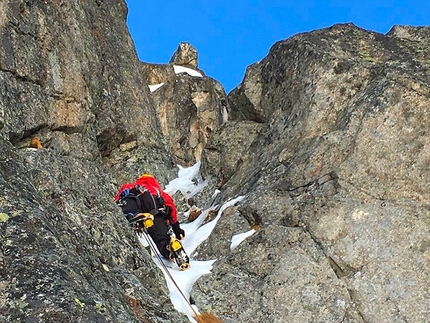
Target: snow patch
[190, 182]
[238, 238]
[182, 69]
[154, 87]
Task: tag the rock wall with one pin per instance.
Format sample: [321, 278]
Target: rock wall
[190, 105]
[327, 141]
[69, 76]
[338, 174]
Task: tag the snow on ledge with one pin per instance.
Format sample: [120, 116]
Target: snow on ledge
[182, 69]
[238, 238]
[152, 88]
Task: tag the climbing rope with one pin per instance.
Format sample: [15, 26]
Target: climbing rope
[154, 250]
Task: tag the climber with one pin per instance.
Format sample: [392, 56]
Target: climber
[144, 199]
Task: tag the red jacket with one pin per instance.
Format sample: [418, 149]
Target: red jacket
[151, 184]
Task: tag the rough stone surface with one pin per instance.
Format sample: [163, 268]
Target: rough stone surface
[185, 55]
[220, 161]
[245, 100]
[190, 108]
[342, 161]
[327, 143]
[69, 76]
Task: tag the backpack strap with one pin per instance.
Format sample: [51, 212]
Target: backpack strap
[127, 194]
[145, 199]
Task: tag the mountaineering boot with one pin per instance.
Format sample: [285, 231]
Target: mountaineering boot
[177, 252]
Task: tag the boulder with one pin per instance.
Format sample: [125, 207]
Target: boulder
[185, 55]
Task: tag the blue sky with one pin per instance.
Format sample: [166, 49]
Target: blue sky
[230, 35]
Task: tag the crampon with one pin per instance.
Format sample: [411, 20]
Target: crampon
[177, 252]
[142, 221]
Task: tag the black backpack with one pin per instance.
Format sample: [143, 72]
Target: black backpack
[140, 200]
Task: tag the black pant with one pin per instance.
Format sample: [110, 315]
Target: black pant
[158, 233]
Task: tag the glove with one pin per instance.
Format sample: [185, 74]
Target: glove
[179, 233]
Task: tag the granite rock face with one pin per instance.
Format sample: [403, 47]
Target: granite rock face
[185, 55]
[338, 174]
[326, 139]
[69, 76]
[190, 107]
